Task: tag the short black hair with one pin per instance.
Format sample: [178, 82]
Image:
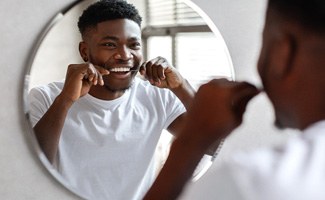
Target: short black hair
[309, 13]
[104, 10]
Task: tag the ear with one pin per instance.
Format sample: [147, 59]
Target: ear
[83, 50]
[284, 55]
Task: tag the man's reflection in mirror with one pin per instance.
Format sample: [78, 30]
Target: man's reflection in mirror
[100, 126]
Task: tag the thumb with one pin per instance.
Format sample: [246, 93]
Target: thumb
[239, 103]
[142, 69]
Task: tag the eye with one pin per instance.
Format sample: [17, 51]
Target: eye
[109, 44]
[135, 45]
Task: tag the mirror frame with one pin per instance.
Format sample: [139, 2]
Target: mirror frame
[31, 136]
[43, 33]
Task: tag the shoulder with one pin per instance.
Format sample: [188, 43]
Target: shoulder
[50, 86]
[50, 90]
[243, 175]
[294, 168]
[267, 161]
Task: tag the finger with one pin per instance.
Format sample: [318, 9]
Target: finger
[142, 69]
[100, 79]
[155, 68]
[94, 75]
[102, 71]
[222, 81]
[161, 70]
[95, 79]
[91, 72]
[149, 72]
[244, 85]
[240, 101]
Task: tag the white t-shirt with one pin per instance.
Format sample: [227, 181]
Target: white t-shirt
[106, 148]
[294, 171]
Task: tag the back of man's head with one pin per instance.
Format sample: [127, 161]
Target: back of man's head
[104, 10]
[308, 13]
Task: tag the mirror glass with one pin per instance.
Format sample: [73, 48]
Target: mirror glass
[174, 29]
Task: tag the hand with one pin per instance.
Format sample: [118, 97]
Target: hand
[161, 74]
[217, 109]
[79, 79]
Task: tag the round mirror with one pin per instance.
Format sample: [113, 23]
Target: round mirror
[176, 30]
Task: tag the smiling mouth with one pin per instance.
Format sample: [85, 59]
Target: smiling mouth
[120, 69]
[123, 69]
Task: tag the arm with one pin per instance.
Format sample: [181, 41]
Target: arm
[185, 93]
[48, 128]
[161, 74]
[217, 109]
[177, 170]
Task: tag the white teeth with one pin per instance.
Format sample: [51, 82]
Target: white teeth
[120, 69]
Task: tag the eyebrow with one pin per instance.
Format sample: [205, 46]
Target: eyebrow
[117, 39]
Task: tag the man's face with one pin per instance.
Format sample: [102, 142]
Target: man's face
[116, 46]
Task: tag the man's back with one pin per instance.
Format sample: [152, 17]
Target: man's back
[294, 170]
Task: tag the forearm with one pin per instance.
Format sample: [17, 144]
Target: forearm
[194, 140]
[182, 161]
[48, 128]
[185, 93]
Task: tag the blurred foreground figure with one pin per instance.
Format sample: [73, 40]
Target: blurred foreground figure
[292, 70]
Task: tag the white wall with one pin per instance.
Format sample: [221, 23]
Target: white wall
[22, 175]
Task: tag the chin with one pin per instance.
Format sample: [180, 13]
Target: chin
[284, 123]
[279, 125]
[114, 90]
[118, 87]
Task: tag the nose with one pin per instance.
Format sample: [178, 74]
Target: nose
[123, 53]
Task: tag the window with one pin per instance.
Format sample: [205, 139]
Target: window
[178, 33]
[175, 31]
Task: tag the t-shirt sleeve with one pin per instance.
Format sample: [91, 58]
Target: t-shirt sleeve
[174, 108]
[38, 104]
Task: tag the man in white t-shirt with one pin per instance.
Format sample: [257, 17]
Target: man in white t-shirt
[292, 70]
[100, 127]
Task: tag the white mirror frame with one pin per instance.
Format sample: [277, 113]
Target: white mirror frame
[35, 48]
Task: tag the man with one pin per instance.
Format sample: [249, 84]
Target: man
[101, 126]
[292, 70]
